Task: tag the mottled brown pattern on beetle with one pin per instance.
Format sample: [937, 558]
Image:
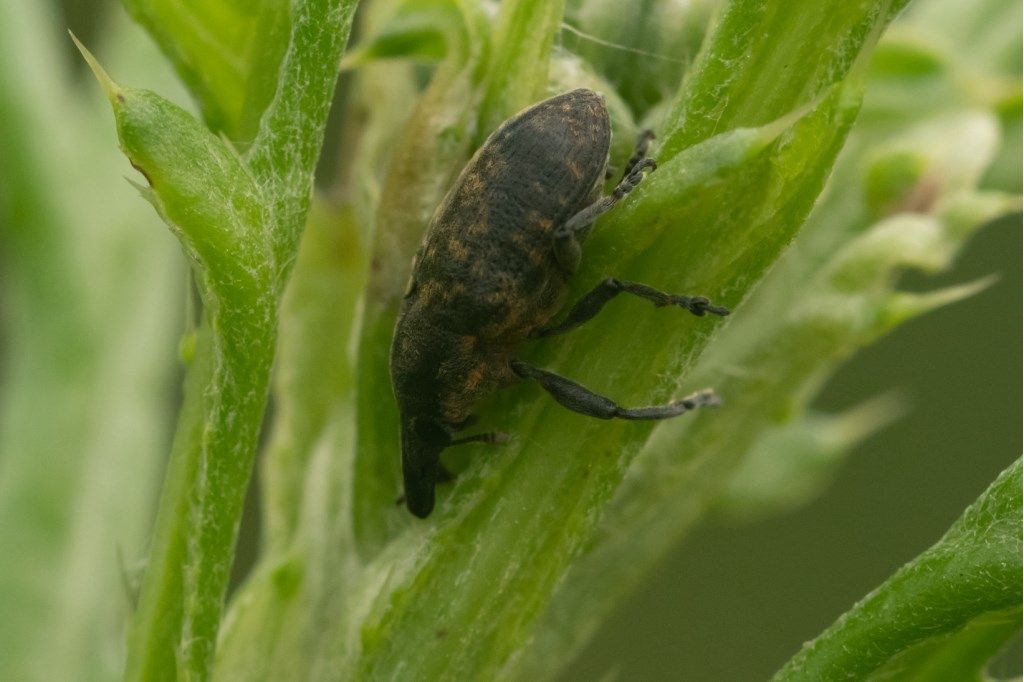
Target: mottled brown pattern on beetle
[531, 175]
[487, 277]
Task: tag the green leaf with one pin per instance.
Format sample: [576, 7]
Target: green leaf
[765, 59]
[226, 51]
[517, 73]
[420, 29]
[945, 613]
[201, 189]
[239, 219]
[755, 194]
[642, 49]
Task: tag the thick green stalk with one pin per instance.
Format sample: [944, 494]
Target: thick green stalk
[239, 222]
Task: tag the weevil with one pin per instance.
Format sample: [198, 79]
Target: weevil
[491, 274]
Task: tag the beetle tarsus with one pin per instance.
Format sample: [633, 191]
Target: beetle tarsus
[567, 237]
[643, 142]
[580, 399]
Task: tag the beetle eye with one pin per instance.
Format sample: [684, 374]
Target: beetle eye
[431, 432]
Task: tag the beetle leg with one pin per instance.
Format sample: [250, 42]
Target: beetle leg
[490, 437]
[643, 141]
[581, 399]
[567, 235]
[591, 213]
[592, 303]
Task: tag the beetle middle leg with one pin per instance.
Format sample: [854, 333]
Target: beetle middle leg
[581, 399]
[592, 303]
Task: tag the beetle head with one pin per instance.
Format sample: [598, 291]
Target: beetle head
[423, 439]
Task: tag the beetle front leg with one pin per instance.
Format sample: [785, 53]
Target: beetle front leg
[643, 141]
[581, 399]
[567, 235]
[592, 303]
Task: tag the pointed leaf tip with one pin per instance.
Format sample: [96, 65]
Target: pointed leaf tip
[112, 89]
[904, 305]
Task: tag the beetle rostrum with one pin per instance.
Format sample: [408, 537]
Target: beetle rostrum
[491, 274]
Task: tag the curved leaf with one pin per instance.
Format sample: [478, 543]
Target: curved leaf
[947, 610]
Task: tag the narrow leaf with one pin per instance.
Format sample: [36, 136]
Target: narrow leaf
[969, 580]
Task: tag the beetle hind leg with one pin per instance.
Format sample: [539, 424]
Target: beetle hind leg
[581, 399]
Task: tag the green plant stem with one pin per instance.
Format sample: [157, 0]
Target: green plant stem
[240, 222]
[182, 595]
[972, 573]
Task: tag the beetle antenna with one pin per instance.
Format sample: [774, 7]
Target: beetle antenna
[490, 437]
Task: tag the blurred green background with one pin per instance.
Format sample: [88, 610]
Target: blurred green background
[734, 602]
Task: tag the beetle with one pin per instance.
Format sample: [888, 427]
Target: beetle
[491, 274]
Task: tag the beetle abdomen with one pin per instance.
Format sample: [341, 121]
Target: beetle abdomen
[490, 242]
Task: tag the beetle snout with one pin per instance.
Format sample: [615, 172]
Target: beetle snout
[419, 497]
[420, 461]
